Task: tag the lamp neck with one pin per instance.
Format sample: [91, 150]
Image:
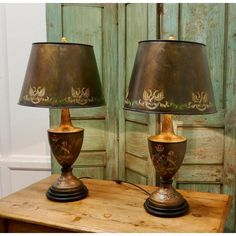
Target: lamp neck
[167, 124]
[65, 119]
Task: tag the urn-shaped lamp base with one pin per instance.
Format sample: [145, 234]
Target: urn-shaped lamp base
[167, 153]
[66, 142]
[67, 188]
[166, 202]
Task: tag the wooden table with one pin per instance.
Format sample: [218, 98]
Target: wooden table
[109, 207]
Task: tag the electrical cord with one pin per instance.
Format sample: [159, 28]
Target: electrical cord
[85, 177]
[127, 182]
[118, 181]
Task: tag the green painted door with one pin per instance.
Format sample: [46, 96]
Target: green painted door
[115, 144]
[210, 161]
[94, 24]
[136, 22]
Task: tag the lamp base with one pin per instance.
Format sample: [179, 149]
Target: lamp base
[67, 187]
[166, 211]
[166, 201]
[167, 153]
[63, 195]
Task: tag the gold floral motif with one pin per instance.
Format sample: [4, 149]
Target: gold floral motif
[62, 149]
[166, 164]
[128, 102]
[159, 148]
[80, 96]
[199, 101]
[36, 95]
[152, 100]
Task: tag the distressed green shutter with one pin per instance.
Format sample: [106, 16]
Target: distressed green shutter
[136, 22]
[210, 161]
[94, 24]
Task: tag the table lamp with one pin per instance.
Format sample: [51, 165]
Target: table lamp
[63, 75]
[169, 77]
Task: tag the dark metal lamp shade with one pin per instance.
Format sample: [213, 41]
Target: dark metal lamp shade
[171, 76]
[62, 75]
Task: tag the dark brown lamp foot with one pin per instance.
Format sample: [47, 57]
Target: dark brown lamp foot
[67, 187]
[166, 211]
[62, 195]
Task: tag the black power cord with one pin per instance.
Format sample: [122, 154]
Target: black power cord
[118, 181]
[85, 177]
[127, 182]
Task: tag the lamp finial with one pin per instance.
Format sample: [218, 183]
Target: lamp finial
[64, 40]
[172, 37]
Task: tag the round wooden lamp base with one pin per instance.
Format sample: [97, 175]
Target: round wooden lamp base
[166, 211]
[63, 195]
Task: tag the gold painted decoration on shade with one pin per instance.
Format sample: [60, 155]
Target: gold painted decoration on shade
[171, 77]
[80, 96]
[199, 101]
[62, 75]
[153, 100]
[36, 95]
[150, 100]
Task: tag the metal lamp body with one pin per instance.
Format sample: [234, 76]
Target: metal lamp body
[167, 159]
[169, 77]
[63, 75]
[66, 147]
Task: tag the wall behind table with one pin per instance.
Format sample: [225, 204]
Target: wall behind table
[24, 150]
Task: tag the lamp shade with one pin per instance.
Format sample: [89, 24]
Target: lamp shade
[171, 76]
[61, 75]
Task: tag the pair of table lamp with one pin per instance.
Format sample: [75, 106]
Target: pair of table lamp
[169, 77]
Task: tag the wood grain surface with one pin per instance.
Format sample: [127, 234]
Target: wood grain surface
[109, 207]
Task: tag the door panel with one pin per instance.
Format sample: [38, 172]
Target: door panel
[210, 141]
[138, 22]
[205, 134]
[84, 24]
[135, 136]
[198, 149]
[229, 178]
[211, 188]
[94, 24]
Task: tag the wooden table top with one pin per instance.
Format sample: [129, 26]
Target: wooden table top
[112, 207]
